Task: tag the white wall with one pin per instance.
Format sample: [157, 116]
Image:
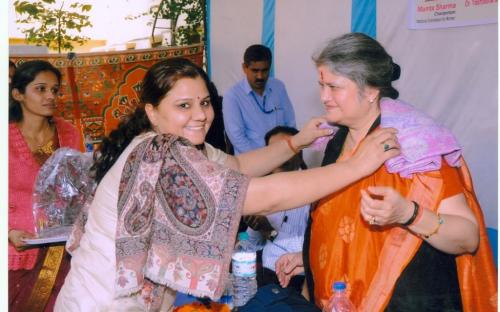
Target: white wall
[452, 74]
[229, 20]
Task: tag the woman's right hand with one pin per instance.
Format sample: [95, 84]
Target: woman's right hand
[310, 132]
[16, 238]
[375, 149]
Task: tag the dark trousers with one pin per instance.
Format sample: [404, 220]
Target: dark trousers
[266, 276]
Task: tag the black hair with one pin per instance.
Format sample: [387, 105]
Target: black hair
[280, 129]
[363, 60]
[12, 64]
[157, 82]
[257, 53]
[24, 75]
[215, 135]
[296, 161]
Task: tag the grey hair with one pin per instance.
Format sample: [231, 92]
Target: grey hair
[363, 60]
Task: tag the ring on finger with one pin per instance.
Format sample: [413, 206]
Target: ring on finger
[386, 147]
[372, 220]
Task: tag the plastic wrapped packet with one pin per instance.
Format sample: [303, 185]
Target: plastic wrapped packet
[62, 185]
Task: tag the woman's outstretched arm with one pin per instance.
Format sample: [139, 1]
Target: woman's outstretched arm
[262, 161]
[288, 190]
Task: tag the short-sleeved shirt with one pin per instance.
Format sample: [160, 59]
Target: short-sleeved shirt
[248, 116]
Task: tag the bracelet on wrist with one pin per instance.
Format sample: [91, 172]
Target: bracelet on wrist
[436, 230]
[416, 212]
[290, 145]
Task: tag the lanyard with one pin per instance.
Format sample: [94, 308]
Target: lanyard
[263, 107]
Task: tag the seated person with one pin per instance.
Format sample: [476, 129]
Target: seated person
[34, 135]
[255, 104]
[282, 232]
[410, 236]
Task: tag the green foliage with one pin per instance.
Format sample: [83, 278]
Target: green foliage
[48, 23]
[192, 32]
[173, 11]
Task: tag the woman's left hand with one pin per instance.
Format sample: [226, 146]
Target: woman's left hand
[382, 205]
[310, 132]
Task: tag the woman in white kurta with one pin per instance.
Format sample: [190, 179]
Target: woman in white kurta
[97, 247]
[129, 251]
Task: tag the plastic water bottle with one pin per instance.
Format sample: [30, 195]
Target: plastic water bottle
[339, 302]
[89, 145]
[244, 271]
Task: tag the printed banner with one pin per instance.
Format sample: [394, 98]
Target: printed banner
[426, 14]
[99, 89]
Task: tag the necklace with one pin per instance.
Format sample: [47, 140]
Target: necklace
[42, 141]
[263, 107]
[47, 148]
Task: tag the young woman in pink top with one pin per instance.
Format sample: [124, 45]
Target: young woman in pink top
[35, 273]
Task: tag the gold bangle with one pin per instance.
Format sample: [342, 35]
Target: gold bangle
[440, 221]
[290, 145]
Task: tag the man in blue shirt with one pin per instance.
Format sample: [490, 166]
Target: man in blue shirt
[256, 104]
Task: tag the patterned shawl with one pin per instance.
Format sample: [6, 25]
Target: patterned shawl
[178, 214]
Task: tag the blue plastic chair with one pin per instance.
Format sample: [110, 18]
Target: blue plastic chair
[493, 237]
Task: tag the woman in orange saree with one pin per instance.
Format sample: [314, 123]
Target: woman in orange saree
[411, 236]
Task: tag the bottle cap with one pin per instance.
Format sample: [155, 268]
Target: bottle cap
[338, 286]
[89, 147]
[242, 236]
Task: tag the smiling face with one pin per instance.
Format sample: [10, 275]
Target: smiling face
[185, 111]
[39, 97]
[343, 101]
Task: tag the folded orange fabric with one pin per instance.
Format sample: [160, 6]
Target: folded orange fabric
[200, 307]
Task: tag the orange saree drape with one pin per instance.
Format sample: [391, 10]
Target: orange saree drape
[370, 259]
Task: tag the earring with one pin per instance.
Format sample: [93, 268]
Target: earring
[371, 101]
